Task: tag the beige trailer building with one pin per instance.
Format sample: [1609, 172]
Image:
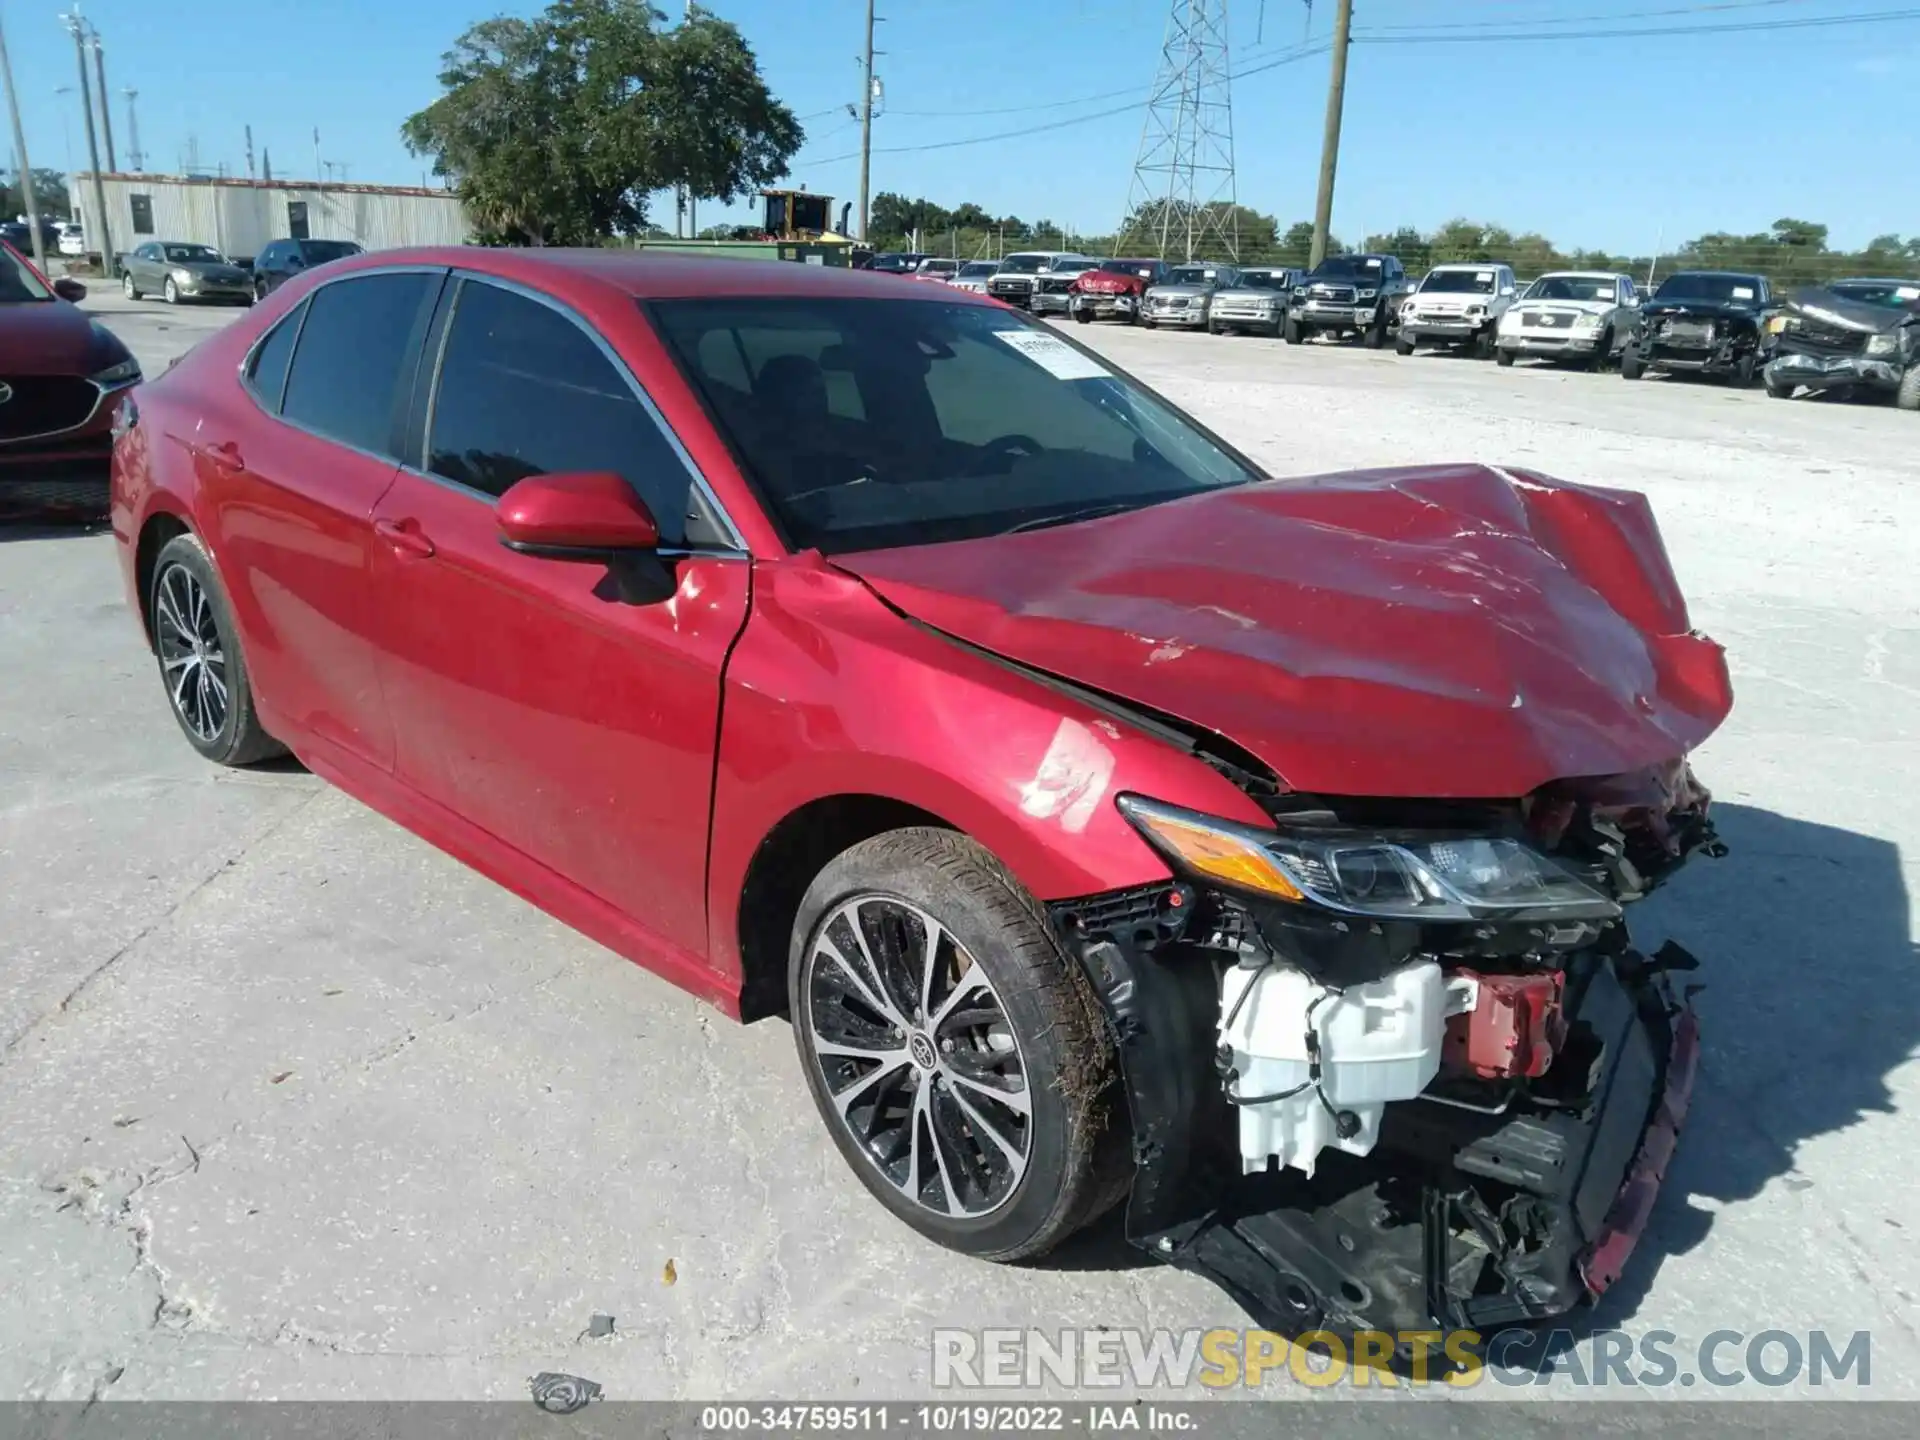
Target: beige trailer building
[239, 217]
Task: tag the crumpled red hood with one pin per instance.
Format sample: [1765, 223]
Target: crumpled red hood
[1452, 631]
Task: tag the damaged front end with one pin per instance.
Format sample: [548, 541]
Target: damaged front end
[1825, 341]
[1396, 1066]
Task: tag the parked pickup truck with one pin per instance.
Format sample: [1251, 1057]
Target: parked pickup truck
[1581, 316]
[1348, 295]
[1258, 304]
[1702, 322]
[1013, 283]
[1457, 306]
[1849, 336]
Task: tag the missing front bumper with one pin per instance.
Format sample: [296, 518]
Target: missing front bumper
[1459, 1219]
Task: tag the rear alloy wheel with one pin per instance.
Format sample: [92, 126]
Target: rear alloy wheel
[200, 662]
[958, 1058]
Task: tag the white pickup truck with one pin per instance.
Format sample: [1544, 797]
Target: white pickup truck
[1457, 305]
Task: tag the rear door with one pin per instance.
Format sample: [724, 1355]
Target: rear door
[292, 490]
[528, 697]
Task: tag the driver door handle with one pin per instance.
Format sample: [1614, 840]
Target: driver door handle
[405, 537]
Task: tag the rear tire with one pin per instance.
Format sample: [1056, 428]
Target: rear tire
[202, 668]
[1020, 1020]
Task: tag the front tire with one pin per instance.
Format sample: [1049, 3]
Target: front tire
[958, 1058]
[1630, 366]
[172, 292]
[1403, 346]
[1503, 358]
[1374, 337]
[1083, 317]
[1294, 332]
[201, 664]
[1907, 397]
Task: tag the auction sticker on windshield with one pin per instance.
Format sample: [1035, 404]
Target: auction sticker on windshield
[1053, 355]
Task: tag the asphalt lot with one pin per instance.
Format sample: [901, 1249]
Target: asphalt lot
[293, 1105]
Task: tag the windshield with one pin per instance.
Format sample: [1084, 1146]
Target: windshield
[1024, 264]
[938, 267]
[978, 269]
[1895, 294]
[868, 424]
[1072, 267]
[194, 255]
[1573, 287]
[318, 252]
[1458, 282]
[1725, 289]
[893, 264]
[1263, 279]
[1349, 267]
[18, 282]
[1143, 268]
[1191, 275]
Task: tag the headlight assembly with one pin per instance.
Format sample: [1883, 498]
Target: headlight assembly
[1400, 877]
[121, 373]
[1884, 345]
[185, 277]
[1365, 294]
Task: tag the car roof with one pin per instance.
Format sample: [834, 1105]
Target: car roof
[651, 274]
[1578, 275]
[1716, 274]
[1471, 265]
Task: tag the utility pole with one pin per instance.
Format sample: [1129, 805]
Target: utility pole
[249, 130]
[24, 164]
[134, 156]
[109, 263]
[866, 122]
[1330, 147]
[100, 73]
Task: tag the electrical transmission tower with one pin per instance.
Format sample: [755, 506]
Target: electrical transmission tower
[1182, 202]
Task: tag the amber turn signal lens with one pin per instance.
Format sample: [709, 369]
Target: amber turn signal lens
[1220, 855]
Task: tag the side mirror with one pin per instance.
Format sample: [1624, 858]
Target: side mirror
[69, 289]
[591, 515]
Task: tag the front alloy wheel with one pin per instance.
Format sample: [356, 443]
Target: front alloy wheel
[172, 292]
[955, 1053]
[918, 1057]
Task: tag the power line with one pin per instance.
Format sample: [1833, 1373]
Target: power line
[1695, 9]
[1406, 35]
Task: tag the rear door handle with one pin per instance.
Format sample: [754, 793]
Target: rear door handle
[405, 536]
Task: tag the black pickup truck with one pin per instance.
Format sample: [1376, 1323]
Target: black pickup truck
[1348, 295]
[1701, 322]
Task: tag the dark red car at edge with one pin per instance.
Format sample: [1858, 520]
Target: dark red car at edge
[59, 373]
[1111, 821]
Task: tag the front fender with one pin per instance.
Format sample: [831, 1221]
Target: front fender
[829, 692]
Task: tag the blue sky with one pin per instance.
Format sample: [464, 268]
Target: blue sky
[1618, 143]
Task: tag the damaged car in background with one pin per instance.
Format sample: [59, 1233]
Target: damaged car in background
[1255, 853]
[1847, 337]
[1701, 322]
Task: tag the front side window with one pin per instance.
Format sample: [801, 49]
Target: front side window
[524, 390]
[972, 421]
[357, 347]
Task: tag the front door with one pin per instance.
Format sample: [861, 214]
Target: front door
[528, 697]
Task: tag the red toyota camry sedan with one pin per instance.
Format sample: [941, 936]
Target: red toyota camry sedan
[1110, 820]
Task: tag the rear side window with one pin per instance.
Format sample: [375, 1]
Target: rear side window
[267, 375]
[360, 340]
[524, 390]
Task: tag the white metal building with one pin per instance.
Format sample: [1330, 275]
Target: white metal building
[239, 217]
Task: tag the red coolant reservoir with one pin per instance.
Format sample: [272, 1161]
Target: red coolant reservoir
[1514, 1028]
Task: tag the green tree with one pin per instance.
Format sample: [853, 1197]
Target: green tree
[555, 129]
[49, 196]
